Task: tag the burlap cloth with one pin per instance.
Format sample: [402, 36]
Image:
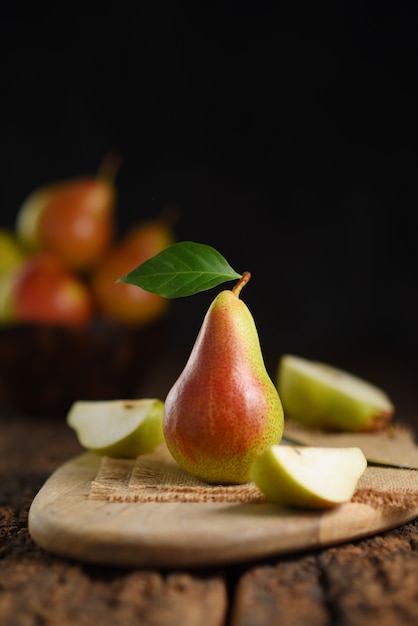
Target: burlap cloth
[157, 478]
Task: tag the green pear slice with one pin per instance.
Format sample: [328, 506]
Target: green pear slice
[318, 395]
[308, 477]
[118, 428]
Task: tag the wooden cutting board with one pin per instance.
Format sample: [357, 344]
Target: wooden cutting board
[160, 531]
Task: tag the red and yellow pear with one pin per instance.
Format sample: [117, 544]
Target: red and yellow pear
[73, 218]
[124, 302]
[224, 409]
[44, 290]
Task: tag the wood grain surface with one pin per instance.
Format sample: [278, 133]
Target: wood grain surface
[367, 582]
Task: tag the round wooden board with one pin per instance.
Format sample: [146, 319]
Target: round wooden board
[64, 521]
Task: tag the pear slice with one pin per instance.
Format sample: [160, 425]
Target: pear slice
[318, 395]
[118, 428]
[308, 477]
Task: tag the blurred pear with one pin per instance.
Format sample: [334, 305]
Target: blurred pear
[11, 250]
[73, 218]
[45, 290]
[128, 303]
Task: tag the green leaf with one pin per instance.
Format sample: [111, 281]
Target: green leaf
[182, 269]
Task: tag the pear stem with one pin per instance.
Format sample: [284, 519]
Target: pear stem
[110, 166]
[241, 283]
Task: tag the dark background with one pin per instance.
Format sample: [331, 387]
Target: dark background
[287, 137]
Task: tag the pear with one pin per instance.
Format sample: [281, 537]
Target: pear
[118, 428]
[318, 395]
[44, 290]
[224, 408]
[11, 251]
[124, 302]
[308, 477]
[12, 256]
[73, 218]
[7, 281]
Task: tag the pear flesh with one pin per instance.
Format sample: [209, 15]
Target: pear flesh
[318, 395]
[224, 408]
[308, 477]
[118, 428]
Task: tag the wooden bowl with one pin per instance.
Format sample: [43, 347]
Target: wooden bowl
[44, 369]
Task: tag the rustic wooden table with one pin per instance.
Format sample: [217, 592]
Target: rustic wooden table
[370, 581]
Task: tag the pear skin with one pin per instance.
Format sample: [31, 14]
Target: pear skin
[73, 218]
[224, 408]
[12, 252]
[124, 302]
[44, 290]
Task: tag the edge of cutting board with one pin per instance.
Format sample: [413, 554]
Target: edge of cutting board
[62, 520]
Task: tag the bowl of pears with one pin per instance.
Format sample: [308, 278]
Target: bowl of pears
[68, 329]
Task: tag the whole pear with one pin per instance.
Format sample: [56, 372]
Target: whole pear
[44, 290]
[124, 302]
[223, 410]
[72, 218]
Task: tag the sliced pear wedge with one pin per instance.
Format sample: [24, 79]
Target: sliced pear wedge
[118, 428]
[308, 477]
[318, 395]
